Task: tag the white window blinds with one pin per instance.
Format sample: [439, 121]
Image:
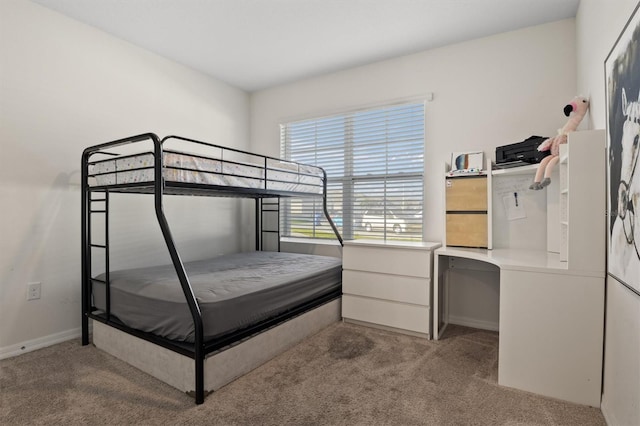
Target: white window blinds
[374, 161]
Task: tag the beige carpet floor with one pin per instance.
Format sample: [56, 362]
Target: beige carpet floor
[344, 375]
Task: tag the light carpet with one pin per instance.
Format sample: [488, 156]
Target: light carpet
[344, 375]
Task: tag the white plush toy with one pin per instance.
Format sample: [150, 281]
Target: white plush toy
[576, 110]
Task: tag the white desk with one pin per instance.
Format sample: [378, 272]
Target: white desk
[551, 321]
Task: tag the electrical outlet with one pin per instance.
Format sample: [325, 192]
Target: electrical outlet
[33, 291]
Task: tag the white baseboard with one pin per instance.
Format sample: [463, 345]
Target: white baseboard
[474, 323]
[608, 419]
[39, 343]
[609, 416]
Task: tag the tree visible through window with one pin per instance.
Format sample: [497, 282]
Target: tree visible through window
[374, 161]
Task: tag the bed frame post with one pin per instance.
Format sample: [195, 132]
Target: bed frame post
[258, 222]
[326, 211]
[85, 295]
[199, 351]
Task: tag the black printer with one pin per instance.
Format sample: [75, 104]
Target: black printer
[521, 153]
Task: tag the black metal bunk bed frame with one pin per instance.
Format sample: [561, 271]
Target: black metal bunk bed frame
[200, 348]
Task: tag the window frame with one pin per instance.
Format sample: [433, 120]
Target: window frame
[348, 180]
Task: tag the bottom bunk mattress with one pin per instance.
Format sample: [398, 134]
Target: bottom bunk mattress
[233, 292]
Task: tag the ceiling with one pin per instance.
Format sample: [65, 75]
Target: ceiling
[256, 44]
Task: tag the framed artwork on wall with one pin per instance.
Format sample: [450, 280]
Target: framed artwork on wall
[622, 83]
[466, 162]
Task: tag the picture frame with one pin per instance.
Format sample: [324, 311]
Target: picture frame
[469, 161]
[622, 96]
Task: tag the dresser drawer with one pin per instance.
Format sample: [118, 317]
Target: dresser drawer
[391, 314]
[390, 287]
[408, 262]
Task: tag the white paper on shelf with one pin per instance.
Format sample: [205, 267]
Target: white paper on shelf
[514, 207]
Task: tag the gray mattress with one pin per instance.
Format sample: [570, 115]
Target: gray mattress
[233, 291]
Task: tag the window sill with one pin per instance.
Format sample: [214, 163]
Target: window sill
[316, 241]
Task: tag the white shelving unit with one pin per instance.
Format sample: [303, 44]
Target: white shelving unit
[582, 201]
[551, 304]
[564, 203]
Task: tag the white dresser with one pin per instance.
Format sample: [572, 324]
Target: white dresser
[388, 284]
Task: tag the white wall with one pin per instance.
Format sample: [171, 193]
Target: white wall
[598, 24]
[65, 86]
[487, 92]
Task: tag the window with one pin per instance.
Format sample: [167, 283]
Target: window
[374, 161]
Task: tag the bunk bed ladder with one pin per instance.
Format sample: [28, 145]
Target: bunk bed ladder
[268, 224]
[99, 206]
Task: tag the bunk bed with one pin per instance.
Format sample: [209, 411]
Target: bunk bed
[197, 308]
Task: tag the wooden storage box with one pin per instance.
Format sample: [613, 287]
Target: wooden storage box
[467, 230]
[466, 207]
[466, 194]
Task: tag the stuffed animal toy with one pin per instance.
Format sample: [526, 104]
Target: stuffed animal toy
[576, 110]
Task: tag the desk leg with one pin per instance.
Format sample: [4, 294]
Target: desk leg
[435, 301]
[440, 300]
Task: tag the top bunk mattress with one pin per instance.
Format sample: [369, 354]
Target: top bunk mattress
[185, 168]
[233, 292]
